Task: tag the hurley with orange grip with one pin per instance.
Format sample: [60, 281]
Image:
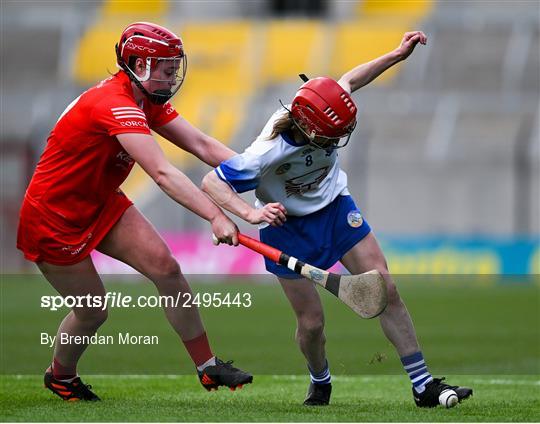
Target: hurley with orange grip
[364, 293]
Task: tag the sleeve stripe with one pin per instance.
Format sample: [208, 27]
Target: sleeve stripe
[129, 113]
[241, 172]
[220, 175]
[126, 108]
[131, 116]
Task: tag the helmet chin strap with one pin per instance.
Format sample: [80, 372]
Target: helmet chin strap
[160, 97]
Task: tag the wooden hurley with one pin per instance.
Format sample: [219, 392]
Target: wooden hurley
[364, 293]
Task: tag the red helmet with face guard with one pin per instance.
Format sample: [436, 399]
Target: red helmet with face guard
[322, 108]
[156, 46]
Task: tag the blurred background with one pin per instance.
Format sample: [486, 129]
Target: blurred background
[444, 162]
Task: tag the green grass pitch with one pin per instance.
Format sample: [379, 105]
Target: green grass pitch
[270, 398]
[477, 332]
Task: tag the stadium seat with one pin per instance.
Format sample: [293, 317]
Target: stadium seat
[220, 56]
[356, 44]
[384, 8]
[379, 28]
[94, 57]
[293, 46]
[221, 75]
[91, 61]
[134, 7]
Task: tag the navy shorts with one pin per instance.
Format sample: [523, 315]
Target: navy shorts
[320, 239]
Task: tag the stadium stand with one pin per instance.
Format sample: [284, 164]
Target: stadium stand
[446, 143]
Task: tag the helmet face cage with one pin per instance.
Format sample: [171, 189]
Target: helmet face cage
[164, 60]
[324, 142]
[166, 75]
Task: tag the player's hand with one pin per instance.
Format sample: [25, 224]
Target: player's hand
[272, 213]
[409, 42]
[224, 230]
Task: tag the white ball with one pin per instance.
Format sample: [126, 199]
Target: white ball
[448, 398]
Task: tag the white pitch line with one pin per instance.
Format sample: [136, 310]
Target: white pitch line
[301, 377]
[509, 382]
[107, 376]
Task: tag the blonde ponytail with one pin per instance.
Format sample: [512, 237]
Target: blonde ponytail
[282, 124]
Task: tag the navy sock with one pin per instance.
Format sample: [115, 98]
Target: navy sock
[323, 377]
[416, 367]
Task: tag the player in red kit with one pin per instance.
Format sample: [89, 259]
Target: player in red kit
[73, 204]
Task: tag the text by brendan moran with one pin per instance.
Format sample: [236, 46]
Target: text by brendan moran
[96, 339]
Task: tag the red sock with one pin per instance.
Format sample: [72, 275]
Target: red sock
[199, 349]
[60, 372]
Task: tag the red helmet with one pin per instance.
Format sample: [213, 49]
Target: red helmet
[154, 44]
[322, 108]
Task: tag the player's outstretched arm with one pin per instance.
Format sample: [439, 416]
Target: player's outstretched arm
[189, 138]
[224, 196]
[367, 72]
[148, 154]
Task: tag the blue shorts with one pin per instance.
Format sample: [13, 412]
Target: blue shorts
[320, 239]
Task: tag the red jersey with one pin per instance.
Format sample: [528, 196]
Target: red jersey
[83, 162]
[74, 189]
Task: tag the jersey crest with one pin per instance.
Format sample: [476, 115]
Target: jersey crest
[306, 182]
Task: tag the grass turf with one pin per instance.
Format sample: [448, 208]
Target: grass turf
[483, 330]
[270, 398]
[464, 327]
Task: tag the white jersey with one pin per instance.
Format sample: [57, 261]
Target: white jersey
[302, 178]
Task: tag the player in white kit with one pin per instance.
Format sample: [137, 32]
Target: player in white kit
[304, 208]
